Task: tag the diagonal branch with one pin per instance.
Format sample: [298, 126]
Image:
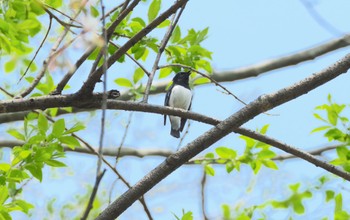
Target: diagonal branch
[264, 66]
[89, 206]
[216, 133]
[89, 85]
[161, 50]
[87, 53]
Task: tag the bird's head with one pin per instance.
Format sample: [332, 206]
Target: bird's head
[182, 77]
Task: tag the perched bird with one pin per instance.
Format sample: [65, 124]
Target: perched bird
[179, 95]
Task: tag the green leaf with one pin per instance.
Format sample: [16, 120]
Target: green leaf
[332, 117]
[201, 81]
[138, 74]
[140, 21]
[16, 175]
[55, 163]
[321, 128]
[335, 134]
[43, 154]
[77, 127]
[329, 195]
[25, 206]
[94, 12]
[5, 167]
[298, 207]
[229, 166]
[35, 170]
[123, 82]
[270, 164]
[176, 35]
[164, 72]
[54, 3]
[209, 170]
[10, 65]
[22, 155]
[187, 216]
[43, 124]
[4, 195]
[70, 141]
[266, 154]
[264, 129]
[209, 156]
[338, 203]
[226, 153]
[226, 211]
[164, 24]
[154, 10]
[16, 134]
[343, 153]
[58, 128]
[319, 117]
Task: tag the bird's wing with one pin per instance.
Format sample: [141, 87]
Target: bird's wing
[166, 101]
[183, 120]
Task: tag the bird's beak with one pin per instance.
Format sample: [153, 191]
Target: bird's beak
[188, 72]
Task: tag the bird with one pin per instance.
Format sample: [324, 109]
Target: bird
[179, 95]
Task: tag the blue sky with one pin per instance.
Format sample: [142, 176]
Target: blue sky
[241, 33]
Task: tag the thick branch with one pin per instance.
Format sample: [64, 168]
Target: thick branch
[262, 104]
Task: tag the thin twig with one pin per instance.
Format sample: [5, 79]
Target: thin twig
[60, 86]
[203, 182]
[46, 6]
[91, 81]
[133, 59]
[89, 206]
[37, 51]
[184, 135]
[113, 10]
[64, 24]
[141, 153]
[163, 44]
[48, 60]
[124, 136]
[87, 53]
[6, 92]
[104, 97]
[205, 76]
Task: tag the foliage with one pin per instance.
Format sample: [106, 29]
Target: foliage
[185, 216]
[255, 155]
[43, 145]
[336, 129]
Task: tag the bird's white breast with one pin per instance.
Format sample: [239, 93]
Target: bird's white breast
[180, 97]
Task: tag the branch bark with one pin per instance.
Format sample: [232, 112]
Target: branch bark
[262, 67]
[262, 104]
[89, 85]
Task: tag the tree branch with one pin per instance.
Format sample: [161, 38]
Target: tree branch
[262, 67]
[160, 52]
[128, 151]
[262, 104]
[82, 59]
[89, 85]
[93, 194]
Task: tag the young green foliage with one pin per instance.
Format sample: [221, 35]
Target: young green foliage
[295, 200]
[336, 129]
[42, 145]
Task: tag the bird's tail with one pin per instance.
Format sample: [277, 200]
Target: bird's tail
[175, 133]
